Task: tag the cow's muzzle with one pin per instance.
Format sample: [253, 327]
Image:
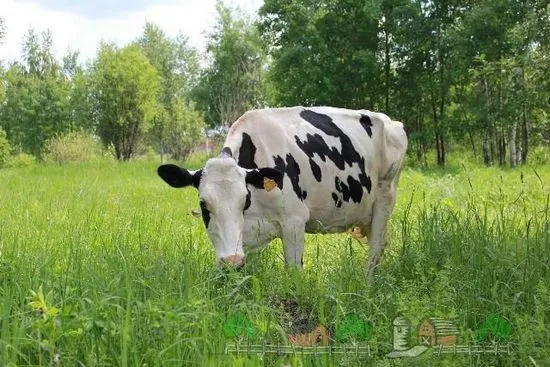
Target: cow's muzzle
[235, 260]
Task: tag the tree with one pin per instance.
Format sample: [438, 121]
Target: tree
[36, 97]
[124, 90]
[233, 82]
[4, 147]
[324, 52]
[2, 29]
[503, 39]
[176, 127]
[183, 130]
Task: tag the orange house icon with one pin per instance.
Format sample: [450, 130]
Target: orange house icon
[436, 331]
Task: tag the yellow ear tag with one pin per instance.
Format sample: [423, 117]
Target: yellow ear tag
[269, 184]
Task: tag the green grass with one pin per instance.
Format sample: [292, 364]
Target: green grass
[128, 276]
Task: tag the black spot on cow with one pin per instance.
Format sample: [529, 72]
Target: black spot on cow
[355, 189]
[281, 166]
[342, 188]
[247, 152]
[367, 124]
[227, 151]
[315, 169]
[349, 190]
[365, 181]
[197, 178]
[315, 144]
[205, 213]
[292, 170]
[336, 199]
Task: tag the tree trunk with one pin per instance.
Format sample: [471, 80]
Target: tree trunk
[486, 148]
[439, 143]
[472, 143]
[487, 132]
[440, 146]
[501, 148]
[525, 149]
[443, 92]
[513, 150]
[387, 70]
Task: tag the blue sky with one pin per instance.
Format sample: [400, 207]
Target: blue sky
[81, 25]
[99, 8]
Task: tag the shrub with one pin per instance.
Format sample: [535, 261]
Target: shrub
[72, 147]
[539, 156]
[4, 148]
[20, 160]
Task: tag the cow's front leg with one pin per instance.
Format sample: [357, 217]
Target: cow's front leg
[293, 243]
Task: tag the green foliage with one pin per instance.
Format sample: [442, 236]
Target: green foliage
[124, 90]
[495, 328]
[176, 62]
[324, 53]
[41, 99]
[239, 326]
[539, 156]
[470, 71]
[176, 125]
[5, 148]
[233, 82]
[353, 328]
[20, 160]
[46, 328]
[183, 130]
[474, 74]
[72, 147]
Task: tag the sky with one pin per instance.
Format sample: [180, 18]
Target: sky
[79, 25]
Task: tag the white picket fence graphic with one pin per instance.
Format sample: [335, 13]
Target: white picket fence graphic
[495, 348]
[358, 350]
[285, 349]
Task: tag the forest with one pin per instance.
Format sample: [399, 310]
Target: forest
[465, 76]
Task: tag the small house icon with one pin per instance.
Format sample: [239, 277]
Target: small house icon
[436, 331]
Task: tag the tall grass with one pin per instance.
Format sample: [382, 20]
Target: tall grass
[123, 274]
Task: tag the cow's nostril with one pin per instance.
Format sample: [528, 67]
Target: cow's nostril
[236, 260]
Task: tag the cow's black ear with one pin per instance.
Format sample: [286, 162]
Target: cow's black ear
[265, 178]
[176, 176]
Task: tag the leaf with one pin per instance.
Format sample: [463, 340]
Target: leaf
[238, 325]
[353, 328]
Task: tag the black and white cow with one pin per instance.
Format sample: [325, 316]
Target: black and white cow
[334, 169]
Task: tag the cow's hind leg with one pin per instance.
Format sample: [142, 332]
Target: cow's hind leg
[377, 233]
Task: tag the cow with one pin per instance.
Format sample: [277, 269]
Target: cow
[284, 172]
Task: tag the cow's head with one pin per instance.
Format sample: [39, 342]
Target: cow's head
[224, 190]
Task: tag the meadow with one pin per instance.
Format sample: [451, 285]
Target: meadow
[102, 264]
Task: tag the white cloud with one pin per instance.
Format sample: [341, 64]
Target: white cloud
[192, 18]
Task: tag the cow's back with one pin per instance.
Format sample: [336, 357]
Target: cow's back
[333, 158]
